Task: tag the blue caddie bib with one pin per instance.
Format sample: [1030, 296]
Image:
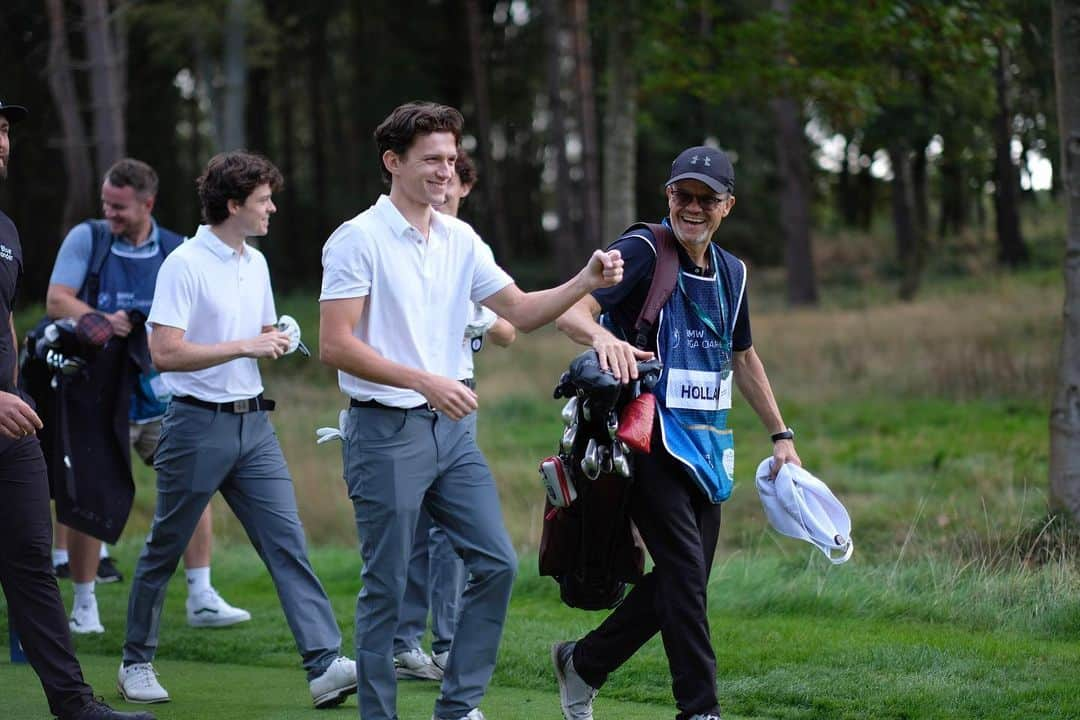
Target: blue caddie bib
[693, 342]
[127, 282]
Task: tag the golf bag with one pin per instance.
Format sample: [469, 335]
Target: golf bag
[589, 544]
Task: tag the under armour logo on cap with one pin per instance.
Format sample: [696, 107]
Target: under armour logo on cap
[709, 165]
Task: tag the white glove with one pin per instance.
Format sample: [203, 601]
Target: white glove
[288, 325]
[480, 323]
[326, 434]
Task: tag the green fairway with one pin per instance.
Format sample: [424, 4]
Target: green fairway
[204, 691]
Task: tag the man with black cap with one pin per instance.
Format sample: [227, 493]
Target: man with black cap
[702, 336]
[34, 606]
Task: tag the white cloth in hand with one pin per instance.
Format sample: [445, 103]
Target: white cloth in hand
[801, 506]
[326, 434]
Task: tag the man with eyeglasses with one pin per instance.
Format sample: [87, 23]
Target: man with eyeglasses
[702, 336]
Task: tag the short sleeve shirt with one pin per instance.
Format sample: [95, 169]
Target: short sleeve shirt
[11, 266]
[214, 294]
[419, 291]
[623, 302]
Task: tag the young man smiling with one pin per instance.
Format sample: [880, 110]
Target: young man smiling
[213, 317]
[398, 280]
[124, 288]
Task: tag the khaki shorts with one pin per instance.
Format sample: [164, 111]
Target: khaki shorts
[144, 439]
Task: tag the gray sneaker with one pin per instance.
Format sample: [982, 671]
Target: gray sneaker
[474, 714]
[575, 694]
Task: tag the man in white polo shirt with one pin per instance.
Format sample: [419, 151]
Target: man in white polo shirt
[213, 316]
[398, 282]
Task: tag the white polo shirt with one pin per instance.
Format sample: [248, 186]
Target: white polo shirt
[214, 294]
[419, 293]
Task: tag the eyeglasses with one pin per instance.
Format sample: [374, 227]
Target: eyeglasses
[708, 203]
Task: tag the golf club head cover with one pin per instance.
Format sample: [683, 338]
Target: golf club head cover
[288, 325]
[636, 423]
[557, 482]
[93, 330]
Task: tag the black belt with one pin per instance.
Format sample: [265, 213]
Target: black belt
[353, 402]
[236, 407]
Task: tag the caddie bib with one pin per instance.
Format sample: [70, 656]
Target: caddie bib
[694, 391]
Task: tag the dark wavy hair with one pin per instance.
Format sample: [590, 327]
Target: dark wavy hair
[400, 128]
[135, 174]
[464, 167]
[233, 176]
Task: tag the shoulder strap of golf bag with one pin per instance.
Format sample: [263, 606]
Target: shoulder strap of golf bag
[665, 276]
[100, 245]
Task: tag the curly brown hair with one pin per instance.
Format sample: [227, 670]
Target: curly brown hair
[233, 175]
[464, 167]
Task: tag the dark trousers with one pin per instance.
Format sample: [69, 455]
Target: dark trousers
[680, 528]
[35, 609]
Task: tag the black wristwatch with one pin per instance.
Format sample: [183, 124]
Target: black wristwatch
[787, 434]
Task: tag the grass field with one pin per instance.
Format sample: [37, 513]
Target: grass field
[928, 419]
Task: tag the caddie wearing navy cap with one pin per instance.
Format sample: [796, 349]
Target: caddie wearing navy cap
[702, 336]
[35, 609]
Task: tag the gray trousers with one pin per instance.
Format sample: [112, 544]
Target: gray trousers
[435, 581]
[202, 451]
[397, 462]
[436, 578]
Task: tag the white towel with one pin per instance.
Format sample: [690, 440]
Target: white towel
[801, 506]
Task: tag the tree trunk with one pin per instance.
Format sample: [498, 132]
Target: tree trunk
[586, 111]
[1065, 413]
[909, 246]
[794, 172]
[491, 186]
[78, 199]
[106, 102]
[233, 131]
[565, 244]
[620, 121]
[1012, 250]
[794, 199]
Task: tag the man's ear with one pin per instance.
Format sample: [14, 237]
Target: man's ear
[465, 190]
[391, 161]
[232, 206]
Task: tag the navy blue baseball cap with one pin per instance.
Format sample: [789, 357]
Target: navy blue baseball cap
[708, 164]
[14, 113]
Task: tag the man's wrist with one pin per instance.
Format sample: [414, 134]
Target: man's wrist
[785, 434]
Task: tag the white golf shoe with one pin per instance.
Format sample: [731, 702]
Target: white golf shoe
[335, 684]
[208, 609]
[84, 618]
[474, 714]
[138, 683]
[415, 664]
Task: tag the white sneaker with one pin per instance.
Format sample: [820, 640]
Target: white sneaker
[474, 714]
[416, 665]
[138, 684]
[440, 659]
[575, 694]
[208, 609]
[335, 684]
[706, 716]
[84, 618]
